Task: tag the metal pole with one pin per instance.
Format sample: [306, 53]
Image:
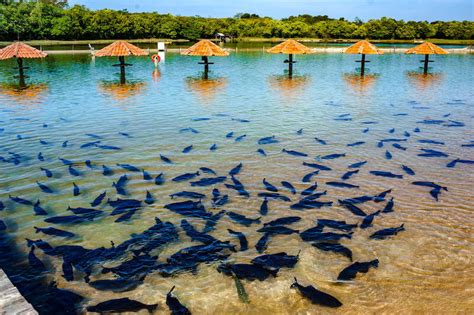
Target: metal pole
[22, 74]
[425, 68]
[290, 66]
[362, 66]
[205, 60]
[122, 69]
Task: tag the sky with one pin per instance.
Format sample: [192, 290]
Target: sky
[430, 10]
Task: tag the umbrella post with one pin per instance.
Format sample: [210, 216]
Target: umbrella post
[122, 69]
[362, 66]
[22, 74]
[205, 61]
[290, 66]
[425, 66]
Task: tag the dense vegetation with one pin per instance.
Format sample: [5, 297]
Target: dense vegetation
[49, 19]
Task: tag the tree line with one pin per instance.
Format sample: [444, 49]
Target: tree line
[49, 19]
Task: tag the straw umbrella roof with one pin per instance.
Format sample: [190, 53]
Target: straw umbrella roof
[427, 48]
[205, 48]
[20, 50]
[363, 47]
[120, 48]
[290, 46]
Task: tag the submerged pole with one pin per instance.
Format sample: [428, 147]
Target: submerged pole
[426, 61]
[122, 69]
[290, 66]
[205, 61]
[362, 66]
[22, 74]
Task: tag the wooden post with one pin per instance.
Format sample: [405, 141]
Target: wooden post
[205, 61]
[122, 69]
[290, 66]
[362, 66]
[22, 74]
[425, 66]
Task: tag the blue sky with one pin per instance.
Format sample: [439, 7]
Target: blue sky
[365, 9]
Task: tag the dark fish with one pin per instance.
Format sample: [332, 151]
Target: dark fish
[351, 271]
[355, 143]
[408, 170]
[44, 142]
[276, 261]
[188, 194]
[40, 157]
[45, 188]
[431, 141]
[320, 141]
[334, 224]
[200, 119]
[241, 120]
[236, 170]
[308, 191]
[212, 221]
[367, 222]
[65, 143]
[90, 144]
[333, 156]
[315, 234]
[124, 134]
[348, 174]
[69, 219]
[237, 185]
[262, 243]
[307, 177]
[207, 170]
[89, 164]
[365, 130]
[385, 174]
[335, 248]
[294, 153]
[316, 296]
[358, 164]
[432, 153]
[299, 132]
[165, 159]
[269, 186]
[47, 172]
[430, 121]
[213, 147]
[264, 207]
[244, 245]
[159, 179]
[34, 262]
[230, 134]
[240, 138]
[188, 130]
[106, 171]
[386, 233]
[66, 162]
[109, 147]
[277, 230]
[185, 177]
[54, 232]
[454, 162]
[20, 200]
[388, 155]
[94, 136]
[175, 306]
[116, 285]
[283, 221]
[121, 305]
[341, 185]
[187, 149]
[381, 197]
[98, 200]
[149, 198]
[262, 152]
[357, 200]
[146, 175]
[289, 186]
[310, 204]
[318, 166]
[398, 146]
[73, 171]
[85, 211]
[249, 272]
[76, 191]
[429, 184]
[129, 167]
[276, 196]
[38, 209]
[241, 219]
[406, 134]
[189, 208]
[352, 208]
[392, 130]
[208, 181]
[267, 140]
[127, 216]
[120, 185]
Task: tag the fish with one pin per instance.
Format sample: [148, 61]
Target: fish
[432, 153]
[43, 142]
[271, 195]
[283, 221]
[69, 219]
[454, 162]
[249, 272]
[65, 144]
[354, 144]
[398, 146]
[381, 197]
[276, 261]
[334, 224]
[315, 234]
[149, 198]
[236, 170]
[120, 185]
[430, 121]
[192, 130]
[241, 219]
[207, 170]
[429, 184]
[44, 188]
[76, 190]
[386, 233]
[243, 296]
[307, 177]
[73, 171]
[431, 141]
[200, 119]
[240, 138]
[185, 177]
[406, 134]
[54, 232]
[408, 170]
[146, 175]
[267, 140]
[385, 174]
[365, 130]
[289, 186]
[349, 174]
[121, 305]
[106, 171]
[174, 305]
[109, 147]
[187, 149]
[318, 166]
[262, 152]
[38, 209]
[34, 262]
[244, 245]
[116, 285]
[94, 136]
[188, 194]
[98, 200]
[165, 159]
[237, 185]
[159, 179]
[277, 230]
[89, 164]
[241, 120]
[352, 208]
[357, 200]
[127, 135]
[213, 147]
[320, 141]
[66, 162]
[294, 153]
[388, 155]
[2, 206]
[341, 185]
[47, 172]
[208, 181]
[189, 208]
[264, 207]
[316, 296]
[127, 216]
[90, 144]
[335, 248]
[299, 132]
[350, 272]
[333, 156]
[367, 222]
[269, 186]
[230, 134]
[129, 167]
[85, 211]
[212, 220]
[308, 191]
[358, 164]
[20, 200]
[310, 204]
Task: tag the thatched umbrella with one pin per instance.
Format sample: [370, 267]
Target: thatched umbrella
[21, 51]
[363, 48]
[427, 49]
[205, 49]
[290, 47]
[121, 49]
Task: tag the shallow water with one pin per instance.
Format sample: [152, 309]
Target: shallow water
[425, 269]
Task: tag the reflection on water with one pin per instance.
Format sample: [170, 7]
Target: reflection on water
[26, 96]
[289, 87]
[156, 75]
[424, 81]
[359, 83]
[121, 91]
[206, 89]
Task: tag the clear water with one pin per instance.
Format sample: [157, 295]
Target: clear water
[427, 268]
